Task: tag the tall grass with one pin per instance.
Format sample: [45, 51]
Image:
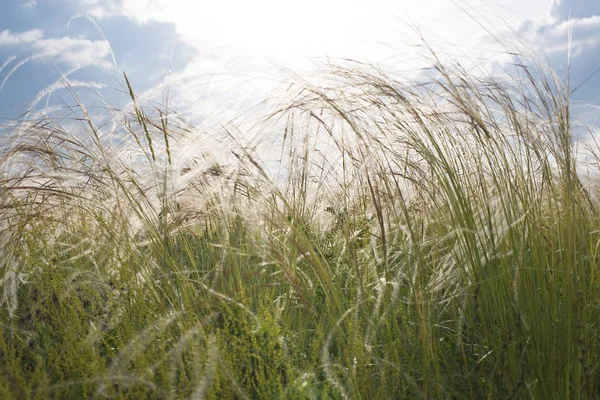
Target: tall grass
[425, 238]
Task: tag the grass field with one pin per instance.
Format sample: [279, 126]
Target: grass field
[431, 239]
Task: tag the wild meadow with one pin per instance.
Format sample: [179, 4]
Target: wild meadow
[433, 237]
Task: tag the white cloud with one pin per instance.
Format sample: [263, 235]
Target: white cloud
[28, 4]
[73, 51]
[68, 50]
[555, 35]
[100, 9]
[577, 21]
[563, 10]
[11, 38]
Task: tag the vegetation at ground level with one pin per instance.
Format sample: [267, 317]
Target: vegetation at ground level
[429, 238]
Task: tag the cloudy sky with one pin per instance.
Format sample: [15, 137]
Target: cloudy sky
[91, 41]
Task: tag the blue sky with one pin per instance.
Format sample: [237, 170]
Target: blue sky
[149, 38]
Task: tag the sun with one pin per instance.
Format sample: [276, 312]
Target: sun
[292, 32]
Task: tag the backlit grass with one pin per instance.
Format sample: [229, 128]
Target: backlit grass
[425, 238]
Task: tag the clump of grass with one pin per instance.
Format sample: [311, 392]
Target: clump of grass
[426, 237]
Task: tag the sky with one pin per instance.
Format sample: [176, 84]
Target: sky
[226, 42]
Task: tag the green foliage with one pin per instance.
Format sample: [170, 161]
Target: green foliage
[446, 247]
[46, 348]
[252, 356]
